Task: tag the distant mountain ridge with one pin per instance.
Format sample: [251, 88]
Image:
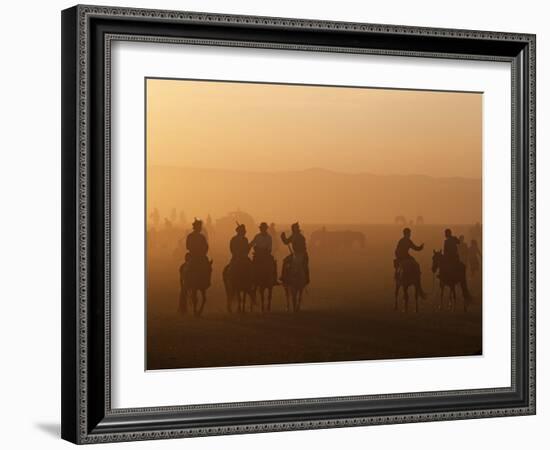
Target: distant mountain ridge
[315, 195]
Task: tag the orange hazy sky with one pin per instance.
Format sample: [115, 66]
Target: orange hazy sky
[269, 127]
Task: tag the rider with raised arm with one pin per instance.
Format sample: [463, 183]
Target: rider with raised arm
[404, 258]
[298, 242]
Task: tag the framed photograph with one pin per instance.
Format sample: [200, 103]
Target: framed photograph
[278, 224]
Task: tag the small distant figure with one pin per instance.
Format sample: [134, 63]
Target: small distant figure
[180, 251]
[183, 219]
[400, 220]
[173, 215]
[407, 269]
[476, 232]
[473, 254]
[167, 224]
[155, 218]
[295, 273]
[463, 250]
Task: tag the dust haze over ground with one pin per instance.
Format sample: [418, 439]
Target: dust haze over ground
[347, 313]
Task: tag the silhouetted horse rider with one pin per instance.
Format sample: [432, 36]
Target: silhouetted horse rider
[238, 274]
[196, 243]
[405, 261]
[239, 245]
[263, 258]
[298, 242]
[195, 273]
[453, 266]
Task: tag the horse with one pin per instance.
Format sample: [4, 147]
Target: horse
[263, 265]
[450, 274]
[407, 273]
[238, 280]
[194, 280]
[295, 281]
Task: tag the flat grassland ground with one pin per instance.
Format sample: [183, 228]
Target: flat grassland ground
[347, 313]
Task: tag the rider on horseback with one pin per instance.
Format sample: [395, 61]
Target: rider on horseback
[451, 255]
[404, 259]
[239, 245]
[262, 245]
[198, 266]
[196, 243]
[299, 249]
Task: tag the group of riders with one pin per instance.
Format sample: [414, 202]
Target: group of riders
[450, 264]
[243, 273]
[260, 271]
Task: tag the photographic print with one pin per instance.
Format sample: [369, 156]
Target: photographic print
[290, 223]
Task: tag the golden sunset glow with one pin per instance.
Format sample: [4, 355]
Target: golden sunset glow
[325, 154]
[269, 127]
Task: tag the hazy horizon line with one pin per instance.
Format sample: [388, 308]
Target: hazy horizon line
[314, 169]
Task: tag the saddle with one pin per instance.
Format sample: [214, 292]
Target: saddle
[405, 265]
[197, 272]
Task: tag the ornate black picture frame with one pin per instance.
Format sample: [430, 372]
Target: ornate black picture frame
[87, 33]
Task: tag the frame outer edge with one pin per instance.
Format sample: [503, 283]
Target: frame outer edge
[75, 141]
[69, 289]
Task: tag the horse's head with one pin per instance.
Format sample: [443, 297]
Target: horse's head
[436, 260]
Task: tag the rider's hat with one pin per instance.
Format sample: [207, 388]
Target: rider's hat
[263, 226]
[295, 226]
[197, 222]
[240, 226]
[406, 230]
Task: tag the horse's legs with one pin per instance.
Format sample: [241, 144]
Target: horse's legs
[203, 296]
[452, 298]
[183, 301]
[287, 295]
[406, 297]
[230, 303]
[239, 302]
[442, 293]
[194, 301]
[252, 294]
[396, 304]
[416, 288]
[269, 296]
[294, 299]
